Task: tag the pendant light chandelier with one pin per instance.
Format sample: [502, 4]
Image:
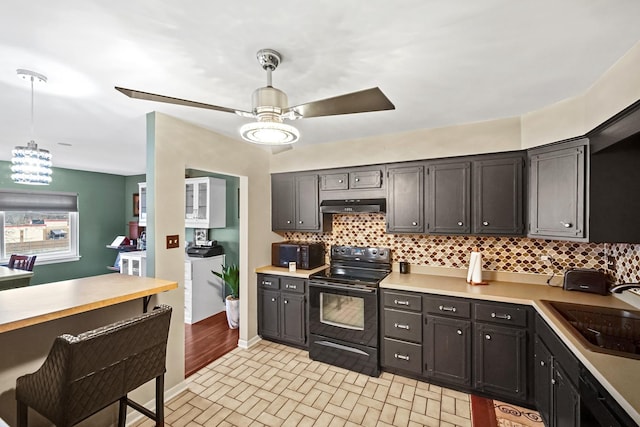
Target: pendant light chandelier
[29, 164]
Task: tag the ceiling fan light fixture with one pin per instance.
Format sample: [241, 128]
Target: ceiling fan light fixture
[269, 133]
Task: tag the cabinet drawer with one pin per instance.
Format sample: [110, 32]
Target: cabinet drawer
[503, 314]
[403, 325]
[270, 282]
[335, 181]
[402, 301]
[454, 307]
[292, 285]
[402, 355]
[366, 179]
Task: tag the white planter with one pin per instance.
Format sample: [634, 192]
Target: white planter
[233, 312]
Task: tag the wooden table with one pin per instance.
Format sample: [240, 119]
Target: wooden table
[21, 307]
[13, 278]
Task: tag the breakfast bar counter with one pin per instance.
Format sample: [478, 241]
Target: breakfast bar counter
[13, 278]
[31, 305]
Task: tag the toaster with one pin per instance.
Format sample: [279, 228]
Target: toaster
[586, 280]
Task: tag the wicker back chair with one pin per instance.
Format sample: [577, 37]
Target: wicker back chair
[86, 373]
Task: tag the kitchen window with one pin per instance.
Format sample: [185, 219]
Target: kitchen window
[39, 223]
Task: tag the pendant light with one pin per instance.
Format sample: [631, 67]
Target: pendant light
[29, 164]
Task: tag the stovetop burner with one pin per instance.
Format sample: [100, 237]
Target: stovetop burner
[362, 266]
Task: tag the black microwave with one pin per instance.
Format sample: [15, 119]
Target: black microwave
[306, 255]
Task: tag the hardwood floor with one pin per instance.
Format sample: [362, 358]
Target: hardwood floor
[206, 341]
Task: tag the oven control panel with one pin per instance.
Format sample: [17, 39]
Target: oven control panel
[358, 253]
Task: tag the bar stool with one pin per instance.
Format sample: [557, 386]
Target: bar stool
[86, 373]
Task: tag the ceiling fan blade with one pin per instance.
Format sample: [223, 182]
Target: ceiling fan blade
[356, 102]
[132, 93]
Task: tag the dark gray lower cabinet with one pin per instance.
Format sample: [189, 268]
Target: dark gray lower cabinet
[447, 344]
[501, 360]
[282, 309]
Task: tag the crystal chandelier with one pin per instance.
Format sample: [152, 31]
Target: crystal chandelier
[29, 164]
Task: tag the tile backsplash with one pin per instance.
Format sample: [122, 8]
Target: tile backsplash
[509, 254]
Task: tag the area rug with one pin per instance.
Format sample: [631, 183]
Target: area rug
[493, 413]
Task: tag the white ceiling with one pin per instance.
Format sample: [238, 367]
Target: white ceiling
[441, 62]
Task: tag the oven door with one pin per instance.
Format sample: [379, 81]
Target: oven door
[344, 312]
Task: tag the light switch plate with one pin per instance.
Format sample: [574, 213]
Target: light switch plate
[172, 241]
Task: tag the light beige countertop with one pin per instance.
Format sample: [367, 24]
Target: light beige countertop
[31, 305]
[7, 273]
[619, 375]
[282, 271]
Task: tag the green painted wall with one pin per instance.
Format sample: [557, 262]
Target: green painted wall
[130, 188]
[101, 216]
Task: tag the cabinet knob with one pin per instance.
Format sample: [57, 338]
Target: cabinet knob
[566, 224]
[485, 223]
[273, 300]
[487, 337]
[459, 332]
[460, 223]
[542, 363]
[300, 222]
[340, 181]
[553, 381]
[414, 223]
[288, 221]
[357, 179]
[286, 301]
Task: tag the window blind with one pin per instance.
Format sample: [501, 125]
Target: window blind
[46, 201]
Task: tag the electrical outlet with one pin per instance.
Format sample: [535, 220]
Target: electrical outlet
[173, 242]
[611, 263]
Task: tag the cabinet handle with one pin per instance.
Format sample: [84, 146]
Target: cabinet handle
[501, 316]
[553, 381]
[487, 337]
[401, 356]
[291, 286]
[401, 326]
[459, 332]
[566, 224]
[398, 302]
[266, 283]
[485, 223]
[460, 223]
[273, 300]
[445, 308]
[414, 223]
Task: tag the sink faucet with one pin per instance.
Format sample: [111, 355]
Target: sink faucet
[623, 287]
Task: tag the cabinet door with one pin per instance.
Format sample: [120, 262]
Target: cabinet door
[542, 378]
[307, 206]
[497, 196]
[283, 202]
[405, 195]
[448, 198]
[501, 360]
[566, 407]
[293, 326]
[447, 349]
[365, 179]
[557, 192]
[334, 181]
[269, 314]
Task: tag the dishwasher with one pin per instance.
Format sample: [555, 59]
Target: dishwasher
[597, 407]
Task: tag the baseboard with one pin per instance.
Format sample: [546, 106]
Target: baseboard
[245, 344]
[134, 416]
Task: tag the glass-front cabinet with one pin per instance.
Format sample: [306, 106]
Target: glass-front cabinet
[142, 204]
[205, 203]
[133, 263]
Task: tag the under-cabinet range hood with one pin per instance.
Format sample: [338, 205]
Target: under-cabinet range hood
[353, 206]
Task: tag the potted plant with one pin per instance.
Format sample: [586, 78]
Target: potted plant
[231, 277]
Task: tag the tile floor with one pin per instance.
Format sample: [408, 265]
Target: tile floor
[275, 385]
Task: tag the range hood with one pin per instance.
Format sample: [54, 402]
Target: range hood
[353, 206]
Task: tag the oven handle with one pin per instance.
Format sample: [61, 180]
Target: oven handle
[341, 287]
[341, 347]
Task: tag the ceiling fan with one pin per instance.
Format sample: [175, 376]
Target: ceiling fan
[270, 106]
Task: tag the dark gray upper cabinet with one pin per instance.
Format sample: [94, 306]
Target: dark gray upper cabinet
[405, 199]
[294, 202]
[448, 197]
[334, 181]
[498, 195]
[557, 177]
[360, 182]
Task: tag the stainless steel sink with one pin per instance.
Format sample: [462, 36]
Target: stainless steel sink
[602, 329]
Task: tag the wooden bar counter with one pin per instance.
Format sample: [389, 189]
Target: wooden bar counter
[26, 306]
